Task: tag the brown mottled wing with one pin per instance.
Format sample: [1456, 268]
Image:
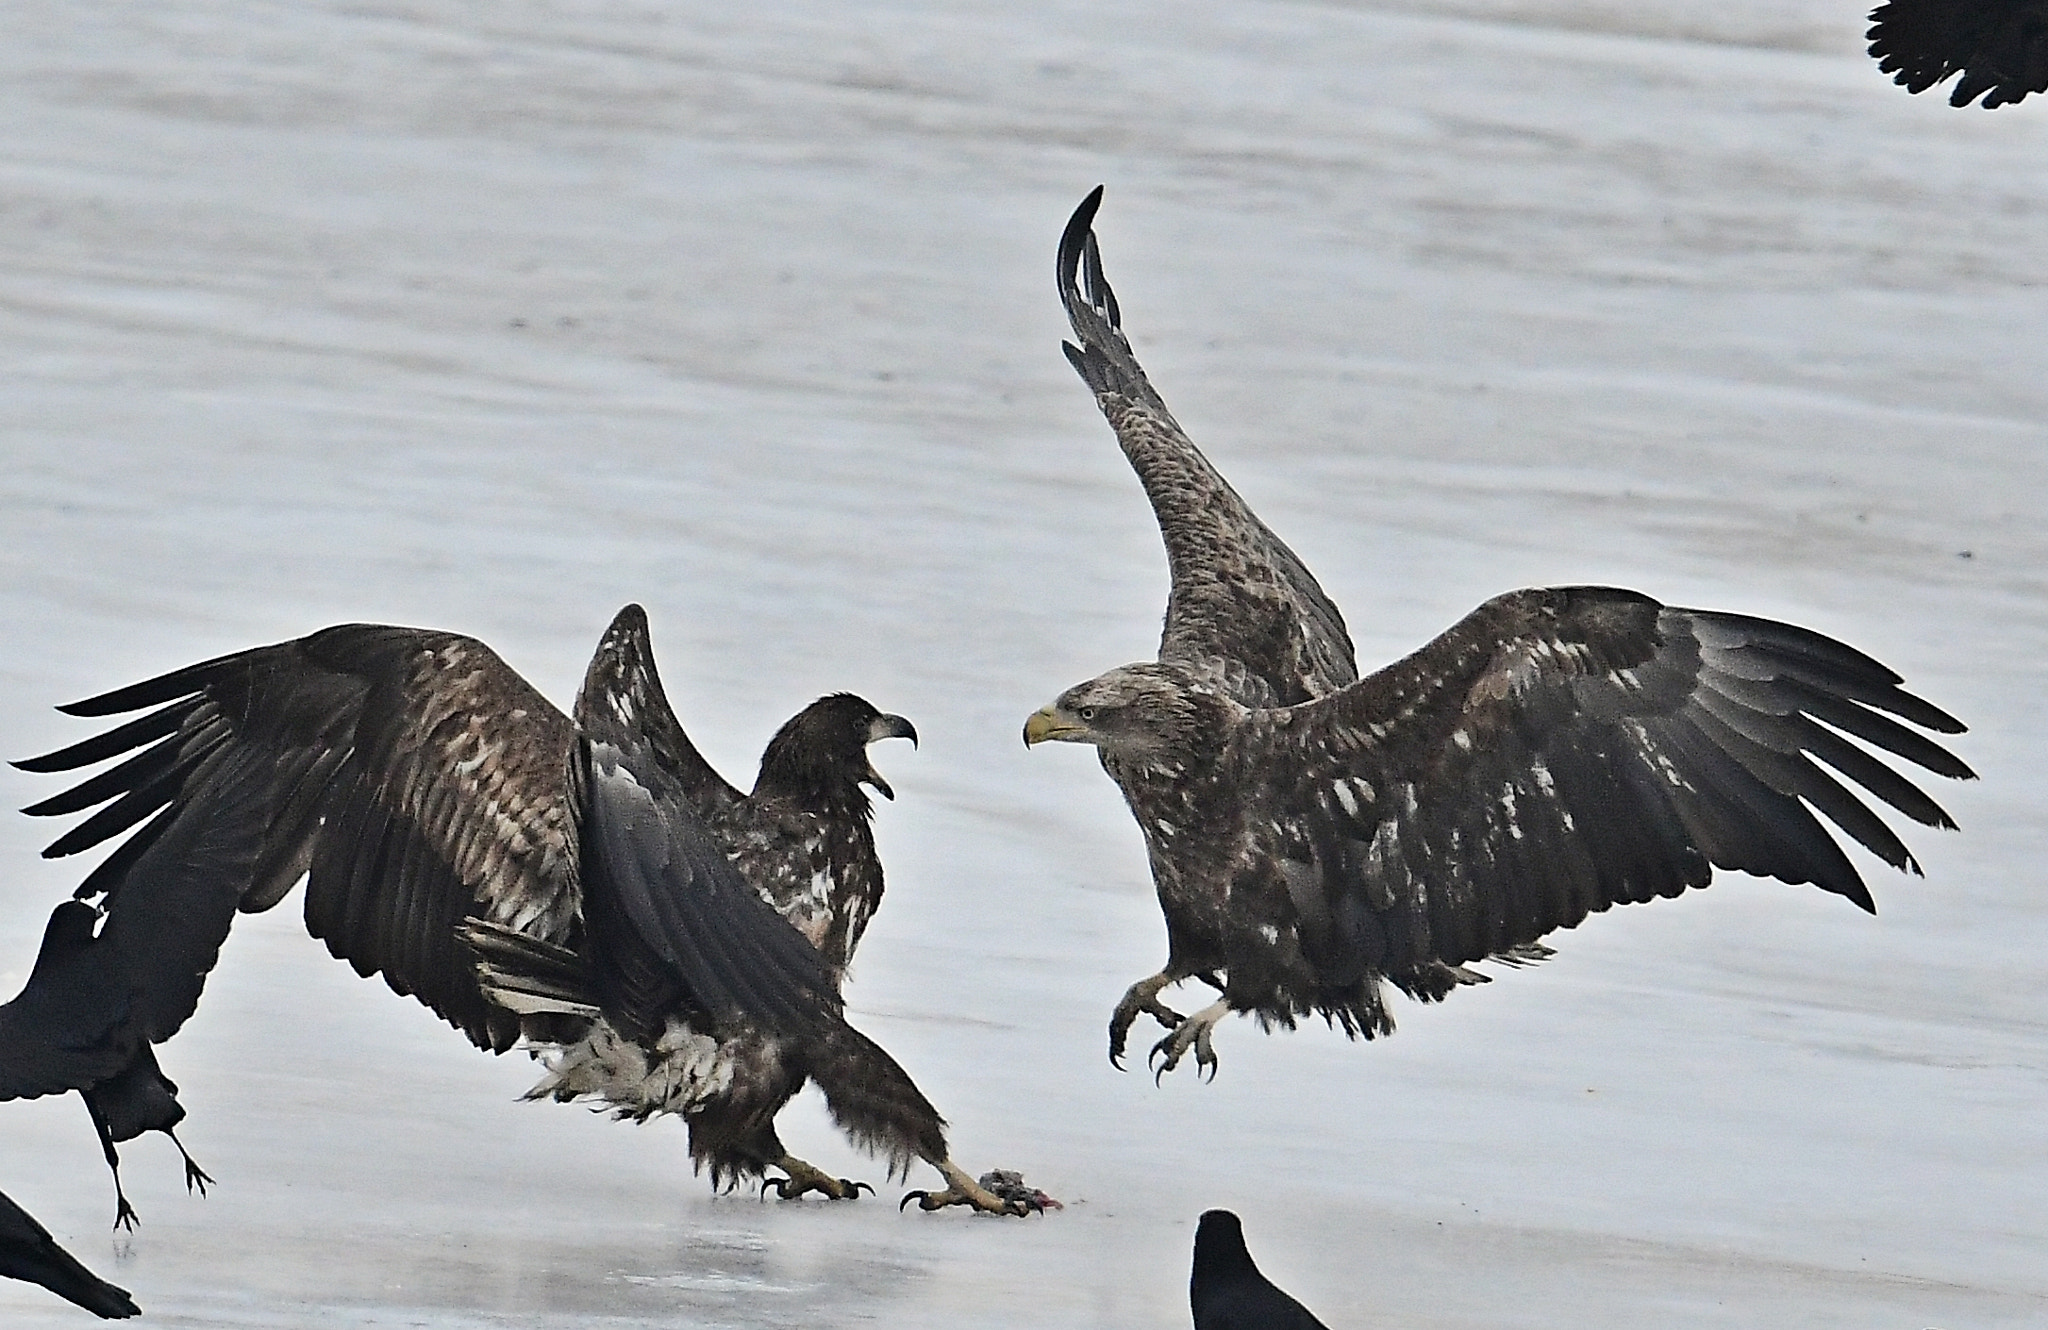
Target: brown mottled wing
[708, 793]
[2000, 47]
[411, 776]
[674, 929]
[1559, 751]
[1241, 601]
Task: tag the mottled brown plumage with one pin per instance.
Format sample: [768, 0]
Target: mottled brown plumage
[622, 892]
[1558, 751]
[1999, 47]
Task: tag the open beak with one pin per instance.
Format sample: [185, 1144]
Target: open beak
[887, 727]
[1047, 723]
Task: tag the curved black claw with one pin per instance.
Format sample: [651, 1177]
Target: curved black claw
[1167, 1053]
[921, 1197]
[789, 1189]
[1137, 1003]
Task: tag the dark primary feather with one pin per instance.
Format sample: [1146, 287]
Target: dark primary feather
[1556, 752]
[1226, 1290]
[421, 787]
[410, 775]
[1999, 47]
[1241, 601]
[28, 1252]
[1560, 751]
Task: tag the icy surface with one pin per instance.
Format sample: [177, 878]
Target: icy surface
[495, 316]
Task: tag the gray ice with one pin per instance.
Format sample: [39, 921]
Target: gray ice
[494, 317]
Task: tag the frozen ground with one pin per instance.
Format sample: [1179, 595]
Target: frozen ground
[493, 317]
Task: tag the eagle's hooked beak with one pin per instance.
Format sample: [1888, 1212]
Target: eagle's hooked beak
[887, 727]
[1047, 723]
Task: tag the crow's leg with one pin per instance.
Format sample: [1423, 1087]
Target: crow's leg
[805, 1177]
[195, 1176]
[963, 1190]
[1192, 1032]
[1140, 999]
[124, 1213]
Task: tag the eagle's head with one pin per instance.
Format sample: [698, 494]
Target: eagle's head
[820, 755]
[1142, 715]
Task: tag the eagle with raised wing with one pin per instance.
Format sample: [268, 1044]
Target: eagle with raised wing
[1315, 836]
[448, 821]
[2000, 47]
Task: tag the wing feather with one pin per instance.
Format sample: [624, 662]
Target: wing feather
[1560, 751]
[2000, 47]
[1242, 604]
[314, 757]
[672, 922]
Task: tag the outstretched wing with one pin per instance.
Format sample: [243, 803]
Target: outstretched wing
[411, 776]
[1240, 600]
[673, 928]
[1559, 751]
[2000, 47]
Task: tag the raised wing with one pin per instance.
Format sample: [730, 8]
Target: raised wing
[1559, 751]
[1241, 601]
[28, 1252]
[411, 776]
[2000, 47]
[673, 929]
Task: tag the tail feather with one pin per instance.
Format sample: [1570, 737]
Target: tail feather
[875, 1102]
[527, 975]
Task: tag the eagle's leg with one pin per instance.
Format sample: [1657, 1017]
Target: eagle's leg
[1192, 1032]
[195, 1176]
[963, 1190]
[124, 1213]
[1140, 999]
[805, 1177]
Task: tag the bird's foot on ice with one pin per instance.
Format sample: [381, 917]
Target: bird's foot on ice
[1140, 999]
[1194, 1032]
[999, 1192]
[124, 1213]
[805, 1177]
[195, 1176]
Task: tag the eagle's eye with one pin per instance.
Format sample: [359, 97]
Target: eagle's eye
[1087, 713]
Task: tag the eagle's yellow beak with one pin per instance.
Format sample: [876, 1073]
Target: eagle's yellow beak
[1045, 723]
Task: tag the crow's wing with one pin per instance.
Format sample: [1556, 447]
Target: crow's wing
[1241, 605]
[411, 776]
[1559, 751]
[2000, 47]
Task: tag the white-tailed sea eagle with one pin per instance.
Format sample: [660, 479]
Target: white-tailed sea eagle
[1314, 835]
[590, 884]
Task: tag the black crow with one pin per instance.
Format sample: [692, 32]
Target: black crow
[1226, 1290]
[84, 1022]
